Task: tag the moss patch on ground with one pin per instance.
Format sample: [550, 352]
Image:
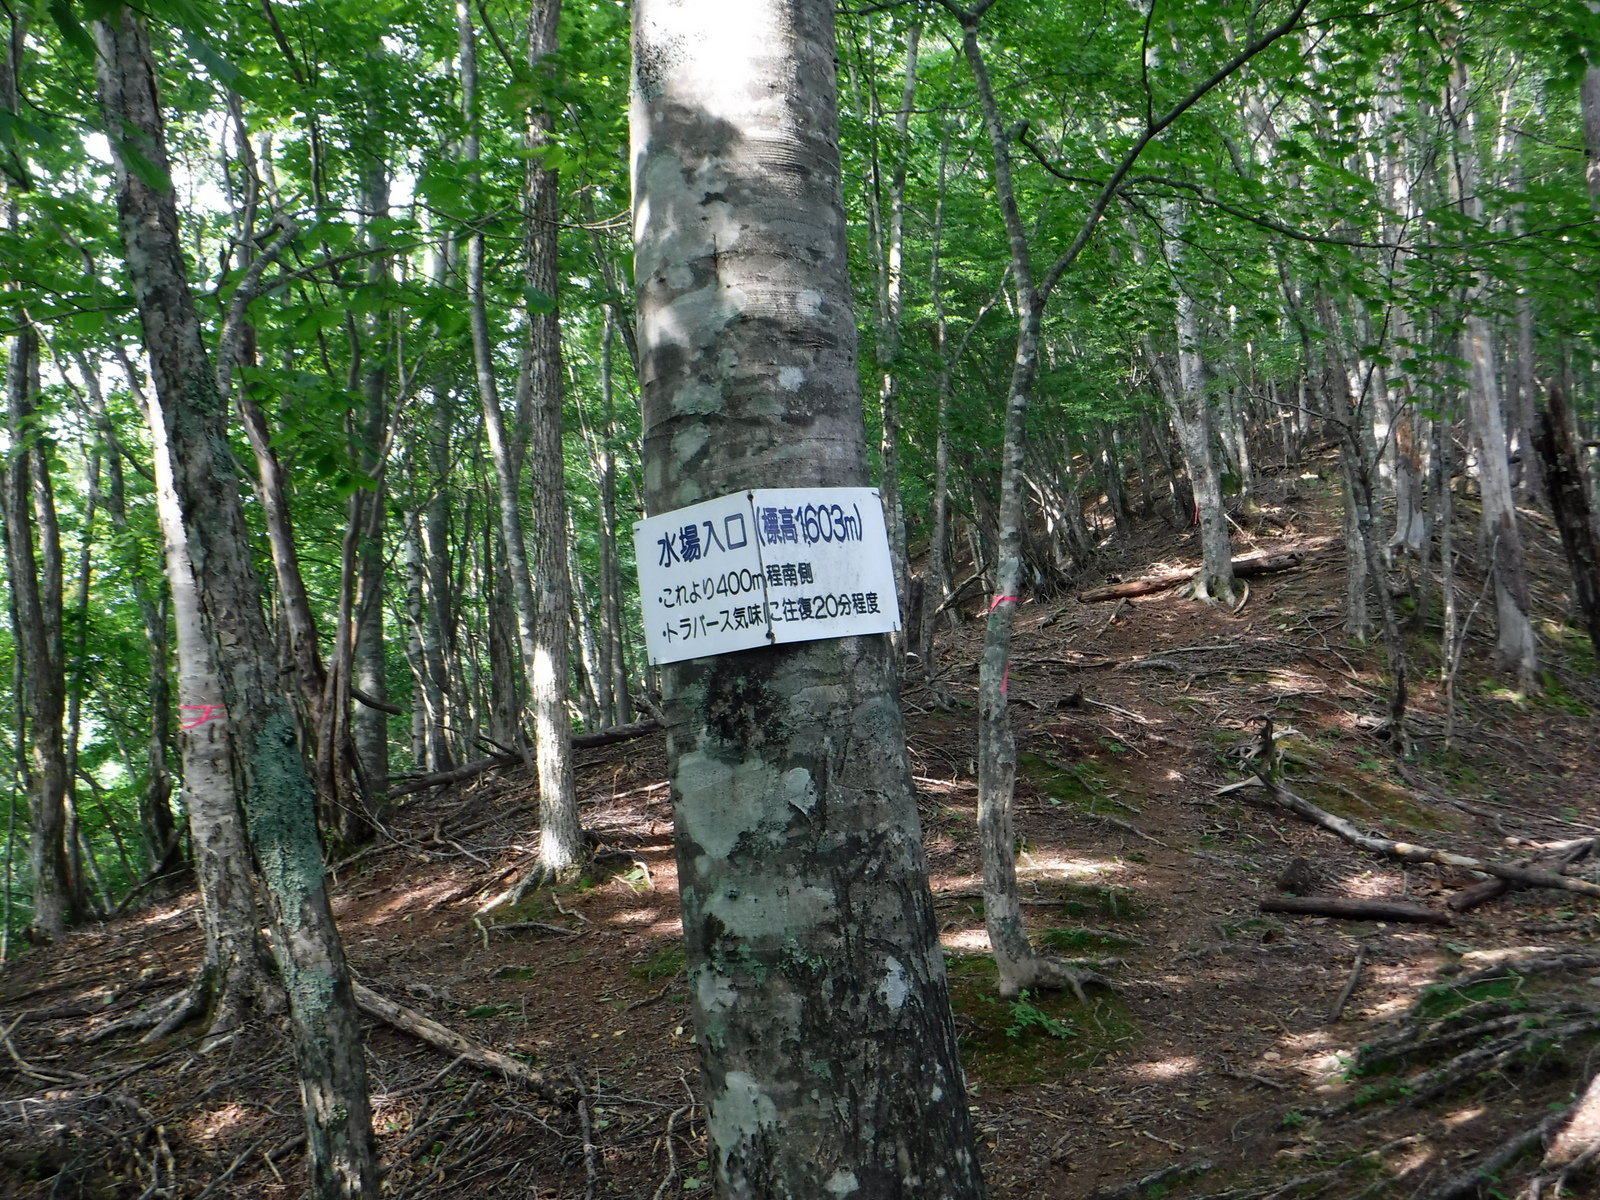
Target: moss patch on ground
[1085, 783]
[1036, 1038]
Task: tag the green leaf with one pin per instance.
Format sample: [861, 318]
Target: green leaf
[72, 30]
[133, 158]
[537, 303]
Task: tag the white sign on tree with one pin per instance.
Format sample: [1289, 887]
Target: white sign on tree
[762, 568]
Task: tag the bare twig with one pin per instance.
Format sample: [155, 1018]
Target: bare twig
[1336, 1009]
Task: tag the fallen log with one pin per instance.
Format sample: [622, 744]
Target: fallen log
[1282, 797]
[441, 1037]
[1556, 857]
[403, 785]
[1259, 564]
[1354, 910]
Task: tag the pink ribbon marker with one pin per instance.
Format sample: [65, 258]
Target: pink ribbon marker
[999, 600]
[208, 712]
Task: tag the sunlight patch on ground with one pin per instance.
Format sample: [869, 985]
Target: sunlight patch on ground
[211, 1125]
[1166, 1068]
[1073, 868]
[637, 916]
[1462, 1116]
[965, 941]
[436, 888]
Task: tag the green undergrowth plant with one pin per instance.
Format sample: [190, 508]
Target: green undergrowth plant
[1037, 1037]
[662, 965]
[1085, 783]
[1082, 941]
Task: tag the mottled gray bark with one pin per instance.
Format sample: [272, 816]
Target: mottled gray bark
[265, 764]
[35, 579]
[820, 999]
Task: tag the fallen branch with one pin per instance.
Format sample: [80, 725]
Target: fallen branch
[1336, 1009]
[1150, 584]
[1564, 855]
[533, 926]
[440, 1037]
[1354, 910]
[1137, 1187]
[1412, 853]
[1276, 1085]
[404, 785]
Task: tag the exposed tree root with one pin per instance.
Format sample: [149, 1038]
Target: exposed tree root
[1487, 1168]
[1054, 975]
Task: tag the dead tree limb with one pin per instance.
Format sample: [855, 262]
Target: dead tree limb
[441, 1037]
[1282, 797]
[1354, 910]
[1336, 1010]
[1255, 565]
[405, 784]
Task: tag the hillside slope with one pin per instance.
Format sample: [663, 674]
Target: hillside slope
[1214, 1058]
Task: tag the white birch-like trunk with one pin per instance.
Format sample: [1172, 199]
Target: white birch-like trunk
[1516, 649]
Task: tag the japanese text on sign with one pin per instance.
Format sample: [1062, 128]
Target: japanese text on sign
[764, 568]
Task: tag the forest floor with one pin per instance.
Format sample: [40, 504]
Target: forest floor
[1213, 1059]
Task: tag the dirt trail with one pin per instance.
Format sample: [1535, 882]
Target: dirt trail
[1215, 1047]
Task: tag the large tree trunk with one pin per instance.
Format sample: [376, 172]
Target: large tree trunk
[820, 998]
[35, 577]
[266, 768]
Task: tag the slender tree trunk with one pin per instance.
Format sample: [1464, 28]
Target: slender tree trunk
[156, 826]
[541, 628]
[1020, 966]
[1190, 408]
[820, 999]
[1515, 647]
[540, 402]
[613, 629]
[370, 725]
[888, 238]
[266, 766]
[35, 577]
[936, 585]
[1589, 111]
